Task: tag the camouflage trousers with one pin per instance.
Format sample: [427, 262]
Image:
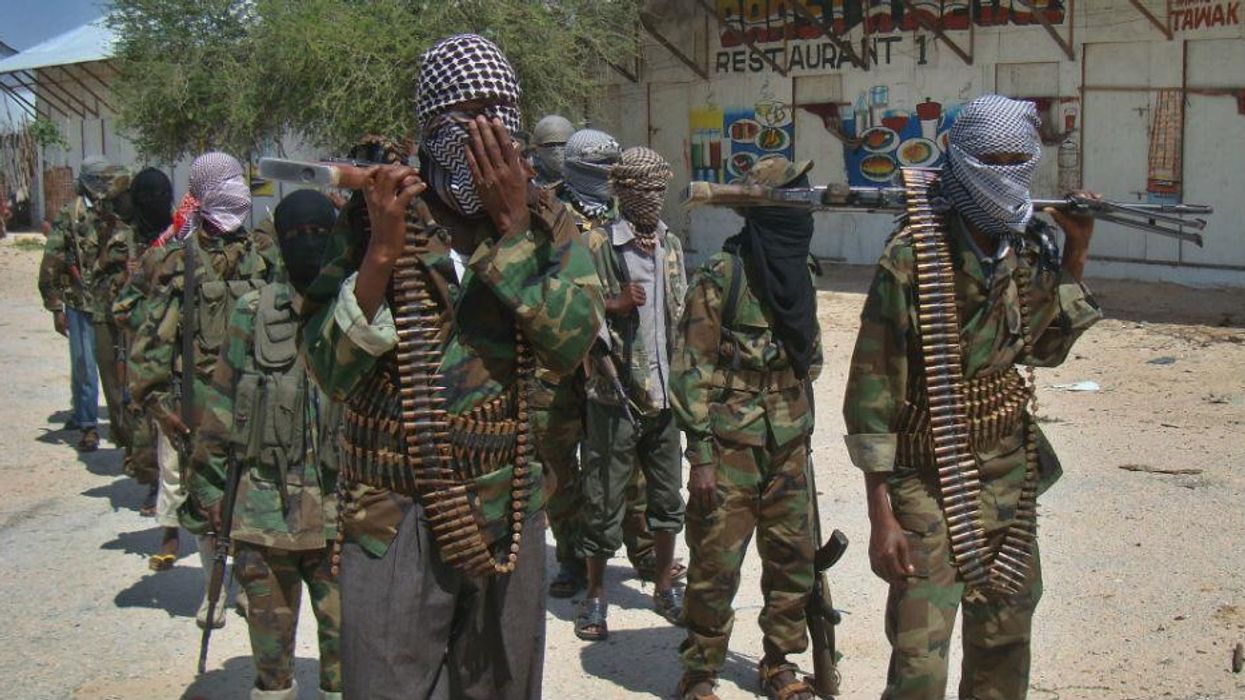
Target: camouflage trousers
[761, 490]
[920, 615]
[141, 462]
[273, 580]
[558, 423]
[108, 337]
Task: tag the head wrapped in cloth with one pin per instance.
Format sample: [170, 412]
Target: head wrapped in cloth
[152, 194]
[461, 68]
[589, 156]
[994, 198]
[639, 180]
[221, 194]
[99, 179]
[549, 138]
[304, 220]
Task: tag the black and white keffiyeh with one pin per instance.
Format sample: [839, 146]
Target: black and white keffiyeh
[589, 155]
[994, 198]
[219, 185]
[640, 180]
[459, 69]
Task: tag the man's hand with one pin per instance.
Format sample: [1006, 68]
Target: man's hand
[173, 427]
[500, 175]
[1077, 229]
[702, 487]
[60, 323]
[388, 191]
[630, 297]
[888, 550]
[212, 513]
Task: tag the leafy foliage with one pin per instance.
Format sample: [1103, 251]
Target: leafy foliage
[46, 133]
[233, 74]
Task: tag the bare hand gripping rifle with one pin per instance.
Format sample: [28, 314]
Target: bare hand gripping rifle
[1163, 219]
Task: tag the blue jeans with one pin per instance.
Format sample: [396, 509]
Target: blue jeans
[83, 375]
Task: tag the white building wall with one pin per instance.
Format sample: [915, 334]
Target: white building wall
[1109, 89]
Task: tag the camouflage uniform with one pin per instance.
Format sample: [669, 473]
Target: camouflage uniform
[262, 411]
[886, 367]
[544, 281]
[119, 247]
[128, 313]
[743, 409]
[612, 446]
[558, 421]
[228, 267]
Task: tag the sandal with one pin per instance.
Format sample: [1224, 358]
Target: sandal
[89, 441]
[697, 687]
[669, 604]
[161, 562]
[781, 682]
[590, 622]
[646, 569]
[569, 581]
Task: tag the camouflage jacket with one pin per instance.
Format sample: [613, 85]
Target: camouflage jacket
[76, 250]
[732, 382]
[262, 409]
[887, 358]
[542, 280]
[228, 268]
[629, 356]
[112, 271]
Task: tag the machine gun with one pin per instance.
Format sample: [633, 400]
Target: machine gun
[345, 173]
[1163, 219]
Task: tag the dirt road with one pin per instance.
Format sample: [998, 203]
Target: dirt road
[1144, 594]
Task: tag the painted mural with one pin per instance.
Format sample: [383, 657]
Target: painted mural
[766, 21]
[886, 137]
[725, 142]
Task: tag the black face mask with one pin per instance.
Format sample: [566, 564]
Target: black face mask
[151, 193]
[303, 221]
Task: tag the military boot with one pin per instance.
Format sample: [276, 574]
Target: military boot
[290, 693]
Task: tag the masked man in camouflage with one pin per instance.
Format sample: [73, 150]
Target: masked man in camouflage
[1015, 301]
[547, 144]
[640, 262]
[741, 391]
[151, 193]
[229, 262]
[439, 300]
[263, 411]
[68, 283]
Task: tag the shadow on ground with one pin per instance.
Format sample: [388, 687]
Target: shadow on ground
[122, 494]
[176, 591]
[235, 678]
[147, 542]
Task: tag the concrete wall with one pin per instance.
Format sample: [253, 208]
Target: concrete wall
[1124, 78]
[77, 89]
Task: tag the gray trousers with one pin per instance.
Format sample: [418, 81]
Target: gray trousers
[414, 628]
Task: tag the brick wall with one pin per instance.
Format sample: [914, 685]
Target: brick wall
[58, 190]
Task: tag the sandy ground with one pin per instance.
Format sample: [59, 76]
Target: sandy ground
[1144, 592]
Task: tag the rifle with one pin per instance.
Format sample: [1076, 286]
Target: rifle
[820, 615]
[1163, 219]
[329, 172]
[190, 328]
[606, 366]
[220, 552]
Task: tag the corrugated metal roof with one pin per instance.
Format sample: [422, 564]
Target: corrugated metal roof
[90, 42]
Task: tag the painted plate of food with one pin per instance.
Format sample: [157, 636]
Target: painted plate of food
[879, 139]
[745, 130]
[943, 139]
[772, 138]
[917, 152]
[740, 163]
[878, 167]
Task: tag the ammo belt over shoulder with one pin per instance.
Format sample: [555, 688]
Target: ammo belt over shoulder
[953, 410]
[995, 407]
[399, 435]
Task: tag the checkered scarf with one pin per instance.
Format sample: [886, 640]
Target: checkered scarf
[994, 198]
[640, 180]
[221, 193]
[459, 69]
[589, 156]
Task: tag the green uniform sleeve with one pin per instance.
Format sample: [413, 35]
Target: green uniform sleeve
[1069, 309]
[691, 372]
[151, 354]
[341, 346]
[206, 482]
[53, 269]
[878, 375]
[556, 298]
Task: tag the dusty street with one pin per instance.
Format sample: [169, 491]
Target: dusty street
[1144, 595]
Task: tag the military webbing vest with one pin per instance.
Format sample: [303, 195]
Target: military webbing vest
[214, 301]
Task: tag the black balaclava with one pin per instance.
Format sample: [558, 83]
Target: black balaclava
[304, 220]
[775, 243]
[151, 194]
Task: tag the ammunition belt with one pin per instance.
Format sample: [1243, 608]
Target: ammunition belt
[995, 409]
[399, 435]
[950, 413]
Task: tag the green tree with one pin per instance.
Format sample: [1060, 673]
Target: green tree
[232, 74]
